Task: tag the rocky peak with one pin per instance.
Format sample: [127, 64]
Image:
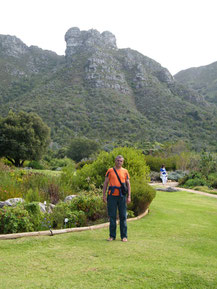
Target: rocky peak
[91, 40]
[12, 46]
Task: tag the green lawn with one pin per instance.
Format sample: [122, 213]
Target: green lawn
[175, 246]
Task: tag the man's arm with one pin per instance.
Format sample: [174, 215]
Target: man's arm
[129, 191]
[105, 189]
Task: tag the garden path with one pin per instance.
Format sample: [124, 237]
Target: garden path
[175, 184]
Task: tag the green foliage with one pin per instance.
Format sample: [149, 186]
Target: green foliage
[81, 148]
[208, 163]
[35, 165]
[32, 196]
[142, 195]
[14, 220]
[94, 173]
[192, 180]
[176, 175]
[62, 211]
[24, 136]
[155, 162]
[212, 180]
[35, 215]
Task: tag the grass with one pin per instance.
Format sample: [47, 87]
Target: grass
[173, 247]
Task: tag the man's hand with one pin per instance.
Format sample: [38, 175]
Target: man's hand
[104, 199]
[128, 199]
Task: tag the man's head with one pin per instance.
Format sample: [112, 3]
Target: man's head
[119, 160]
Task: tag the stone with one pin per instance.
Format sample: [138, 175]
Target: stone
[14, 201]
[46, 208]
[69, 198]
[168, 189]
[91, 40]
[2, 204]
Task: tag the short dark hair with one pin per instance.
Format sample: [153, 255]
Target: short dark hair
[119, 157]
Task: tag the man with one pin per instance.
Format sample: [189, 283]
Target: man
[116, 199]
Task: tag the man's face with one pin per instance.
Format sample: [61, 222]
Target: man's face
[119, 162]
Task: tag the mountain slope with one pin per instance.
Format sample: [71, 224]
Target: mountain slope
[102, 92]
[202, 79]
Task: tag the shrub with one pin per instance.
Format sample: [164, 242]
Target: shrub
[142, 196]
[176, 175]
[32, 196]
[192, 180]
[155, 162]
[91, 204]
[35, 214]
[212, 180]
[15, 220]
[35, 165]
[63, 211]
[94, 173]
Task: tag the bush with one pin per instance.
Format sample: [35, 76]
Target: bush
[32, 196]
[94, 173]
[212, 180]
[142, 196]
[155, 162]
[15, 220]
[192, 180]
[176, 175]
[35, 215]
[91, 204]
[63, 211]
[35, 165]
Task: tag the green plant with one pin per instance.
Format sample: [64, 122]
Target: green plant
[94, 173]
[155, 162]
[32, 196]
[24, 137]
[142, 195]
[15, 220]
[176, 175]
[35, 215]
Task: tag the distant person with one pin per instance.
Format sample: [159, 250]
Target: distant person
[116, 199]
[163, 174]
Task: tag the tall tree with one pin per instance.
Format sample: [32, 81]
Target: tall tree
[23, 136]
[80, 148]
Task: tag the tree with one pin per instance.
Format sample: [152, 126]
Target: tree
[80, 148]
[23, 136]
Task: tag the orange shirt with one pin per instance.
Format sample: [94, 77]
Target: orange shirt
[113, 180]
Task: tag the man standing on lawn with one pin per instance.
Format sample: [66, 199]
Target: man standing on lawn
[116, 199]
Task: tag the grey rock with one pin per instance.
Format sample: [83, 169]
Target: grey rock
[2, 204]
[69, 198]
[46, 208]
[14, 201]
[12, 46]
[168, 189]
[91, 40]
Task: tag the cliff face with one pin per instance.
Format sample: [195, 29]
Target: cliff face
[99, 91]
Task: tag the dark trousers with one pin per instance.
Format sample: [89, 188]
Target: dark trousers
[114, 202]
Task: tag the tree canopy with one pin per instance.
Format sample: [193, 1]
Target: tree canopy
[80, 148]
[23, 136]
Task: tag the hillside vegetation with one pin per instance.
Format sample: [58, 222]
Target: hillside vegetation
[202, 79]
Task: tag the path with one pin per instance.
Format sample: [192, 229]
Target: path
[175, 184]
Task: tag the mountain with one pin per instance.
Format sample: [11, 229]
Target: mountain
[202, 79]
[102, 92]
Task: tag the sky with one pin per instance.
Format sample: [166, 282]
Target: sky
[178, 34]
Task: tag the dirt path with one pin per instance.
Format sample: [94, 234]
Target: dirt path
[175, 184]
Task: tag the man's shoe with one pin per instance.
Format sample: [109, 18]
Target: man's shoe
[110, 239]
[124, 240]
